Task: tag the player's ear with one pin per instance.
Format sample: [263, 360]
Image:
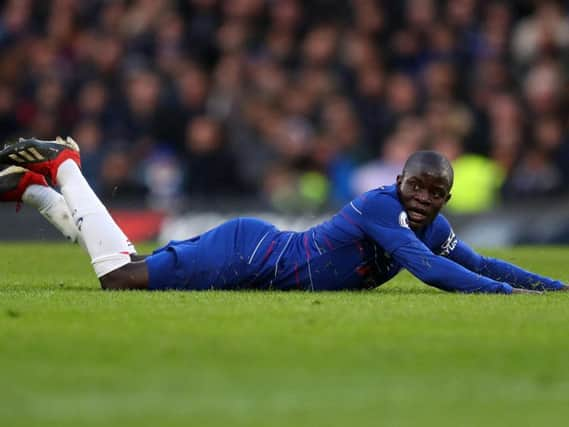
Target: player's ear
[399, 179]
[448, 198]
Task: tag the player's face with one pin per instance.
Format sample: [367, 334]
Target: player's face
[423, 194]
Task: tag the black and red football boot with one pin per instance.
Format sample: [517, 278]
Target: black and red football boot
[43, 157]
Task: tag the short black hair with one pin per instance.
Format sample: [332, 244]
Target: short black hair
[430, 161]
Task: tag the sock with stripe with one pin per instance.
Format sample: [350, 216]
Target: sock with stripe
[104, 240]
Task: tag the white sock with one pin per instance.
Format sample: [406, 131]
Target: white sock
[52, 206]
[104, 240]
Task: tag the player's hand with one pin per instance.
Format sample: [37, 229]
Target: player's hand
[565, 288]
[525, 291]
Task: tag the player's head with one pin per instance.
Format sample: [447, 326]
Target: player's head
[424, 186]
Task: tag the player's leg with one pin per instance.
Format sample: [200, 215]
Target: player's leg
[24, 186]
[21, 185]
[104, 241]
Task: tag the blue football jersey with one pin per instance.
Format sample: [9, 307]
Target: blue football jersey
[367, 243]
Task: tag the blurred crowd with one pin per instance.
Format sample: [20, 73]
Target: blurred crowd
[292, 104]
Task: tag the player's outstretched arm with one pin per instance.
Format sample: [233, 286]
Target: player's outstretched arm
[443, 273]
[503, 271]
[383, 221]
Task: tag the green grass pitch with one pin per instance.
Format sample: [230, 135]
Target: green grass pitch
[404, 355]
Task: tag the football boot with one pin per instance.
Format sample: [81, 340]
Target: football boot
[43, 157]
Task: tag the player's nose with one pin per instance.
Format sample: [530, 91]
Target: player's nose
[423, 197]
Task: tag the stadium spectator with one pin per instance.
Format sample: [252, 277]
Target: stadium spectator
[287, 78]
[544, 32]
[398, 147]
[118, 182]
[210, 168]
[540, 170]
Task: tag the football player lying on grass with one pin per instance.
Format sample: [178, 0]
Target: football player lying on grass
[364, 245]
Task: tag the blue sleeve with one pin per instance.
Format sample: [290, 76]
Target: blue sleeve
[384, 221]
[446, 243]
[501, 270]
[443, 273]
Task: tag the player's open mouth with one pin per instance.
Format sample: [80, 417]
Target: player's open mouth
[417, 217]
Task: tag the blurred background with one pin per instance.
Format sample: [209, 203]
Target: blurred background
[189, 111]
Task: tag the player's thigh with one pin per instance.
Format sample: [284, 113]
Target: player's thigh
[176, 266]
[217, 259]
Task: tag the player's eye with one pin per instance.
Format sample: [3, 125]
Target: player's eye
[439, 194]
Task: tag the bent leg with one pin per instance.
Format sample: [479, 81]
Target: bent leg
[108, 247]
[104, 240]
[53, 207]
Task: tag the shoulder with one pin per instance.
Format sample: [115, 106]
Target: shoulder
[384, 195]
[382, 205]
